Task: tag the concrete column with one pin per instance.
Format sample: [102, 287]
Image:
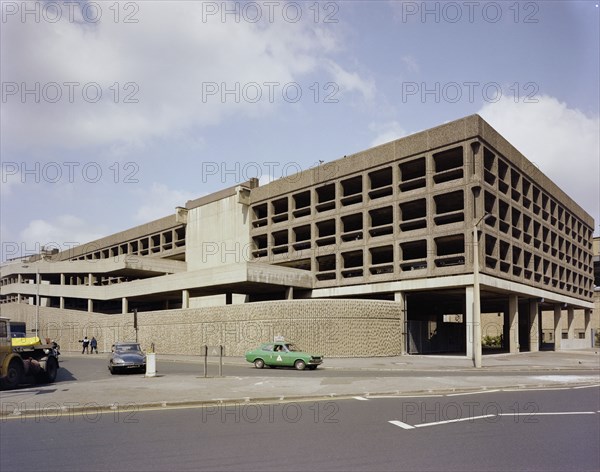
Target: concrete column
[124, 305]
[570, 323]
[400, 299]
[289, 293]
[557, 326]
[534, 325]
[62, 279]
[587, 324]
[185, 299]
[61, 303]
[469, 324]
[513, 324]
[90, 305]
[90, 280]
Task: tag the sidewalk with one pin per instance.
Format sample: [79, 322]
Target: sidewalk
[417, 375]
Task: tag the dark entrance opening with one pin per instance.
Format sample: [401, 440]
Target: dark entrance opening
[435, 322]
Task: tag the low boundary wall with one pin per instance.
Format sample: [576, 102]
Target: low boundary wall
[332, 327]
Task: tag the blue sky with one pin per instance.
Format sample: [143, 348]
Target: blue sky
[198, 96]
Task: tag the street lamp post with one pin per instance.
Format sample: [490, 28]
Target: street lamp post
[37, 300]
[476, 295]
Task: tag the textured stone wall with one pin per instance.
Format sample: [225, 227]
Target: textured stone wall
[337, 328]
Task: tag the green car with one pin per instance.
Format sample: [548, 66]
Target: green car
[284, 354]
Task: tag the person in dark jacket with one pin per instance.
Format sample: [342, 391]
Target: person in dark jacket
[85, 343]
[94, 345]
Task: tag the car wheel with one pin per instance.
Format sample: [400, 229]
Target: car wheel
[14, 375]
[259, 363]
[300, 364]
[111, 370]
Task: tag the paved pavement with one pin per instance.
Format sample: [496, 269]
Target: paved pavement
[418, 375]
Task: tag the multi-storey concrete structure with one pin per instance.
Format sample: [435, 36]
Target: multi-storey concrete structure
[412, 227]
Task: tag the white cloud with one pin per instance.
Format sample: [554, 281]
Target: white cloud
[10, 176]
[351, 81]
[160, 201]
[386, 132]
[65, 232]
[170, 73]
[562, 142]
[411, 63]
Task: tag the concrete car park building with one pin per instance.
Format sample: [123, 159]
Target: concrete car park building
[396, 249]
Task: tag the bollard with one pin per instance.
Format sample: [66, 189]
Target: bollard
[151, 364]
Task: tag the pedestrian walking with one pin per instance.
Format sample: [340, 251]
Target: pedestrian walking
[86, 342]
[93, 345]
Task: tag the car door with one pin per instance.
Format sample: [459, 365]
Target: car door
[279, 355]
[268, 354]
[288, 358]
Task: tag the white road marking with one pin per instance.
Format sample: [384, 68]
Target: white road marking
[471, 393]
[585, 386]
[551, 413]
[404, 396]
[470, 418]
[401, 424]
[361, 398]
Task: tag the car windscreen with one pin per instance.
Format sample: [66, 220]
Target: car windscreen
[127, 348]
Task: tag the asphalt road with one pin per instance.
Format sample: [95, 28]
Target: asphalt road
[93, 367]
[495, 431]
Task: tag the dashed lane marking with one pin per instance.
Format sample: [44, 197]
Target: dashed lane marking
[401, 424]
[471, 393]
[457, 420]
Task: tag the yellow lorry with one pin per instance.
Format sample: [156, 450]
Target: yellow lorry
[25, 360]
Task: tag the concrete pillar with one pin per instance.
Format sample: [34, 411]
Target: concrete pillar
[400, 299]
[469, 324]
[289, 293]
[557, 326]
[513, 324]
[534, 326]
[62, 279]
[90, 305]
[185, 299]
[124, 305]
[570, 322]
[61, 303]
[587, 324]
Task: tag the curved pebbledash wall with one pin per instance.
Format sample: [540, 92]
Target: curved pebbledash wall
[332, 327]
